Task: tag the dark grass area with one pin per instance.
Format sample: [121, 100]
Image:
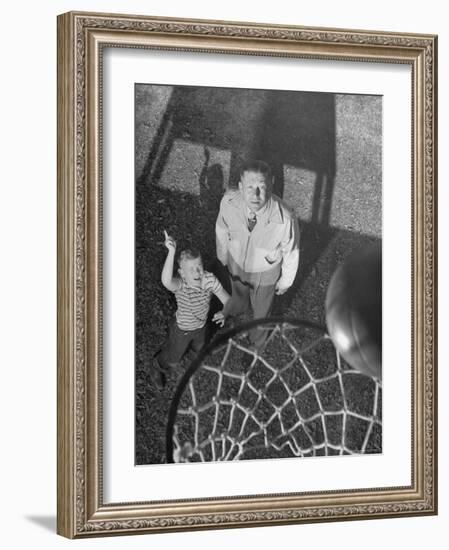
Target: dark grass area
[190, 219]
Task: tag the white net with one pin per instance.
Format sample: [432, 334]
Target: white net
[295, 397]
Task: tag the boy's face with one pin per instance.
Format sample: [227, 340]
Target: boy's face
[192, 271]
[255, 190]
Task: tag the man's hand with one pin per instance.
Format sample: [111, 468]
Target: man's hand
[219, 318]
[280, 288]
[169, 242]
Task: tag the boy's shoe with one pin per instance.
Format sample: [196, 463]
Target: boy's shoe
[157, 377]
[157, 374]
[162, 364]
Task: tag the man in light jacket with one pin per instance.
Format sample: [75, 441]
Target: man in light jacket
[257, 239]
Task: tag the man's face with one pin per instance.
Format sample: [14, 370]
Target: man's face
[192, 271]
[255, 190]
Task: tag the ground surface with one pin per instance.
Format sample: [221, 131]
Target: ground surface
[179, 184]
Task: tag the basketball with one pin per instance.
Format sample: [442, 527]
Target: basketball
[354, 310]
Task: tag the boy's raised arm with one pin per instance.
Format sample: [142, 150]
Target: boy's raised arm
[171, 283]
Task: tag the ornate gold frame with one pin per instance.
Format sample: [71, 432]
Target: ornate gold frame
[81, 36]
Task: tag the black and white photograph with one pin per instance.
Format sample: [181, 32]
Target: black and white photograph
[258, 274]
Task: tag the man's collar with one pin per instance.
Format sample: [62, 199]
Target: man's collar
[271, 211]
[259, 213]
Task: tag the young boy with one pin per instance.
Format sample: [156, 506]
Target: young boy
[193, 290]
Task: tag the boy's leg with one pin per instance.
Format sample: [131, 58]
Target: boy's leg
[199, 338]
[175, 347]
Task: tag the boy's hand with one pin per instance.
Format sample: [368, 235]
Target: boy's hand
[219, 318]
[169, 242]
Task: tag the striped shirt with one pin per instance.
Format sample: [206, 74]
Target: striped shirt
[193, 302]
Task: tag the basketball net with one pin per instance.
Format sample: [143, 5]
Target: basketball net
[295, 397]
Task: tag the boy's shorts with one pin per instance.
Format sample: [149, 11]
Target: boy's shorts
[178, 342]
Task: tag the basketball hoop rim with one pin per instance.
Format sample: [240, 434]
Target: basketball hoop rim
[196, 363]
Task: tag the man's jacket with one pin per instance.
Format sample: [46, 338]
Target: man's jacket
[267, 254]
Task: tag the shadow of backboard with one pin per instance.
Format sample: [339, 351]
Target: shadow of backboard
[293, 131]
